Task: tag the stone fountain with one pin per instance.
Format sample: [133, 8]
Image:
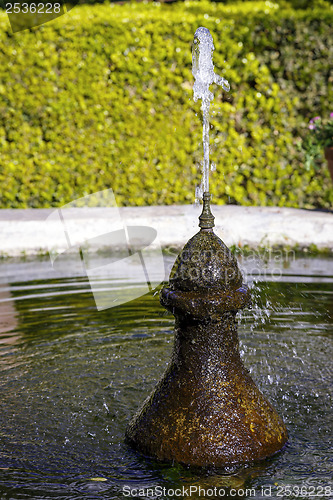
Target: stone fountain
[206, 409]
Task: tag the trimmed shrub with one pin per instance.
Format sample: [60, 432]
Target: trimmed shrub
[102, 98]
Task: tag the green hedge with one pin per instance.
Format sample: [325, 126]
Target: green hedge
[295, 4]
[102, 98]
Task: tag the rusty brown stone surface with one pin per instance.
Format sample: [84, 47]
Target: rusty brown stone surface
[206, 410]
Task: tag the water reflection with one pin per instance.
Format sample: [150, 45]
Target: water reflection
[8, 315]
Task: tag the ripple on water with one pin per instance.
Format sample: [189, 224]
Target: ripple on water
[71, 378]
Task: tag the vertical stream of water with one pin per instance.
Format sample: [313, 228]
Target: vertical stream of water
[203, 72]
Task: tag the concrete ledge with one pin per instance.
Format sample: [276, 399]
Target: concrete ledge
[31, 232]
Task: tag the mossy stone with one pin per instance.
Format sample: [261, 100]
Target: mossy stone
[206, 409]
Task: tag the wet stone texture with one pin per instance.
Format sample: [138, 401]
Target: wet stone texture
[206, 410]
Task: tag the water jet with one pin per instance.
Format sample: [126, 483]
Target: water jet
[206, 409]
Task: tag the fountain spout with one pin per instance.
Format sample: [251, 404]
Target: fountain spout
[206, 409]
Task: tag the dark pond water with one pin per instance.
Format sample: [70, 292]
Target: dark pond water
[71, 377]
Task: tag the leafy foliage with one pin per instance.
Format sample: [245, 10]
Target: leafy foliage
[320, 136]
[295, 4]
[102, 98]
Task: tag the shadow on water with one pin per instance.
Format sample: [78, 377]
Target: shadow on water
[72, 377]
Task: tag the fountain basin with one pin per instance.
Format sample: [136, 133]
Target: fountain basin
[62, 361]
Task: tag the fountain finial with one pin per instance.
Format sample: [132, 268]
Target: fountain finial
[206, 219]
